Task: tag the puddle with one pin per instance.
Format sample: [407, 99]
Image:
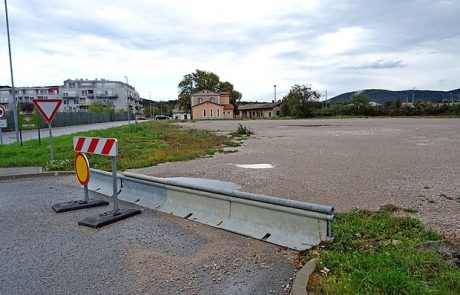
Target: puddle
[255, 166]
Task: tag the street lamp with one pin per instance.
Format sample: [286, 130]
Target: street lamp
[150, 98]
[15, 114]
[127, 98]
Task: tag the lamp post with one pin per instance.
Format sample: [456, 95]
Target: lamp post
[151, 110]
[127, 99]
[15, 111]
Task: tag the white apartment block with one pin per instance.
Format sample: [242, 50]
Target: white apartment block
[79, 94]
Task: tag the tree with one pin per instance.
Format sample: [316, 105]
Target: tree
[360, 105]
[98, 107]
[300, 101]
[202, 80]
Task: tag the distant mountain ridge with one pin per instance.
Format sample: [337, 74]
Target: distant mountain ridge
[382, 95]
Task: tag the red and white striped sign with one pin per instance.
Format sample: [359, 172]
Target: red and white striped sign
[93, 145]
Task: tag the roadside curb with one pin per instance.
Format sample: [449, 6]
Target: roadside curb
[41, 174]
[299, 287]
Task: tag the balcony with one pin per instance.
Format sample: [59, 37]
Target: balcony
[105, 96]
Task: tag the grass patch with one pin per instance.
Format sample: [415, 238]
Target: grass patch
[139, 145]
[389, 208]
[241, 130]
[374, 253]
[410, 210]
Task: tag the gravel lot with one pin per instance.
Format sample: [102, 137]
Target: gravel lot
[42, 252]
[347, 163]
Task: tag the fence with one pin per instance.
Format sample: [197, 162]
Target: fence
[75, 118]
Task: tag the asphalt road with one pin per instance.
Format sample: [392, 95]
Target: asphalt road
[10, 137]
[348, 163]
[42, 252]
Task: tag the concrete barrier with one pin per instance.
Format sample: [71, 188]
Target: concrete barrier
[294, 224]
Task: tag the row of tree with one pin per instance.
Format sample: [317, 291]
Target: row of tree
[302, 101]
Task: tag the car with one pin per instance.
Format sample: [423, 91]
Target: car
[162, 117]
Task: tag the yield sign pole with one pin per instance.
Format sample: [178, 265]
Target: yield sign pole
[48, 109]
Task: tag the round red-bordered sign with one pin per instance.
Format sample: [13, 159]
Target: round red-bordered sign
[2, 111]
[81, 168]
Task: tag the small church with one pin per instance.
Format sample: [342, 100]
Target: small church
[211, 105]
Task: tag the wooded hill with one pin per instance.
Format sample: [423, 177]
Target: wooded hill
[382, 95]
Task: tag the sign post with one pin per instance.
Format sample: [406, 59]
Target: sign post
[107, 147]
[48, 109]
[3, 122]
[82, 172]
[98, 146]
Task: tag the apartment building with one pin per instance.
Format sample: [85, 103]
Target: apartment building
[26, 94]
[79, 94]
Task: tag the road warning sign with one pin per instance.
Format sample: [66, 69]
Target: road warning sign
[82, 168]
[2, 112]
[47, 108]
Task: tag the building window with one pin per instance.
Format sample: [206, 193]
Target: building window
[200, 100]
[204, 113]
[212, 99]
[211, 112]
[269, 114]
[218, 113]
[75, 101]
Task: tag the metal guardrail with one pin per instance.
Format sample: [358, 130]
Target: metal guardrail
[294, 224]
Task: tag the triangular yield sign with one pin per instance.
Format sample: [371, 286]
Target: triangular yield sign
[47, 108]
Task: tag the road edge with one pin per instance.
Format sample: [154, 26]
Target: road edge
[299, 287]
[40, 174]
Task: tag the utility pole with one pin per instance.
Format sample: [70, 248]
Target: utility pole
[127, 99]
[326, 99]
[151, 110]
[13, 91]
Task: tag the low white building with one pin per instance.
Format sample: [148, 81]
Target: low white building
[179, 114]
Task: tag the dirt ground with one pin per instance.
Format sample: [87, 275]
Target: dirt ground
[345, 163]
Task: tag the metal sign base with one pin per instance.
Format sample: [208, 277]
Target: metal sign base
[77, 205]
[108, 217]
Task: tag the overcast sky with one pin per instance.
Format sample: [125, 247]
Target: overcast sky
[340, 46]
